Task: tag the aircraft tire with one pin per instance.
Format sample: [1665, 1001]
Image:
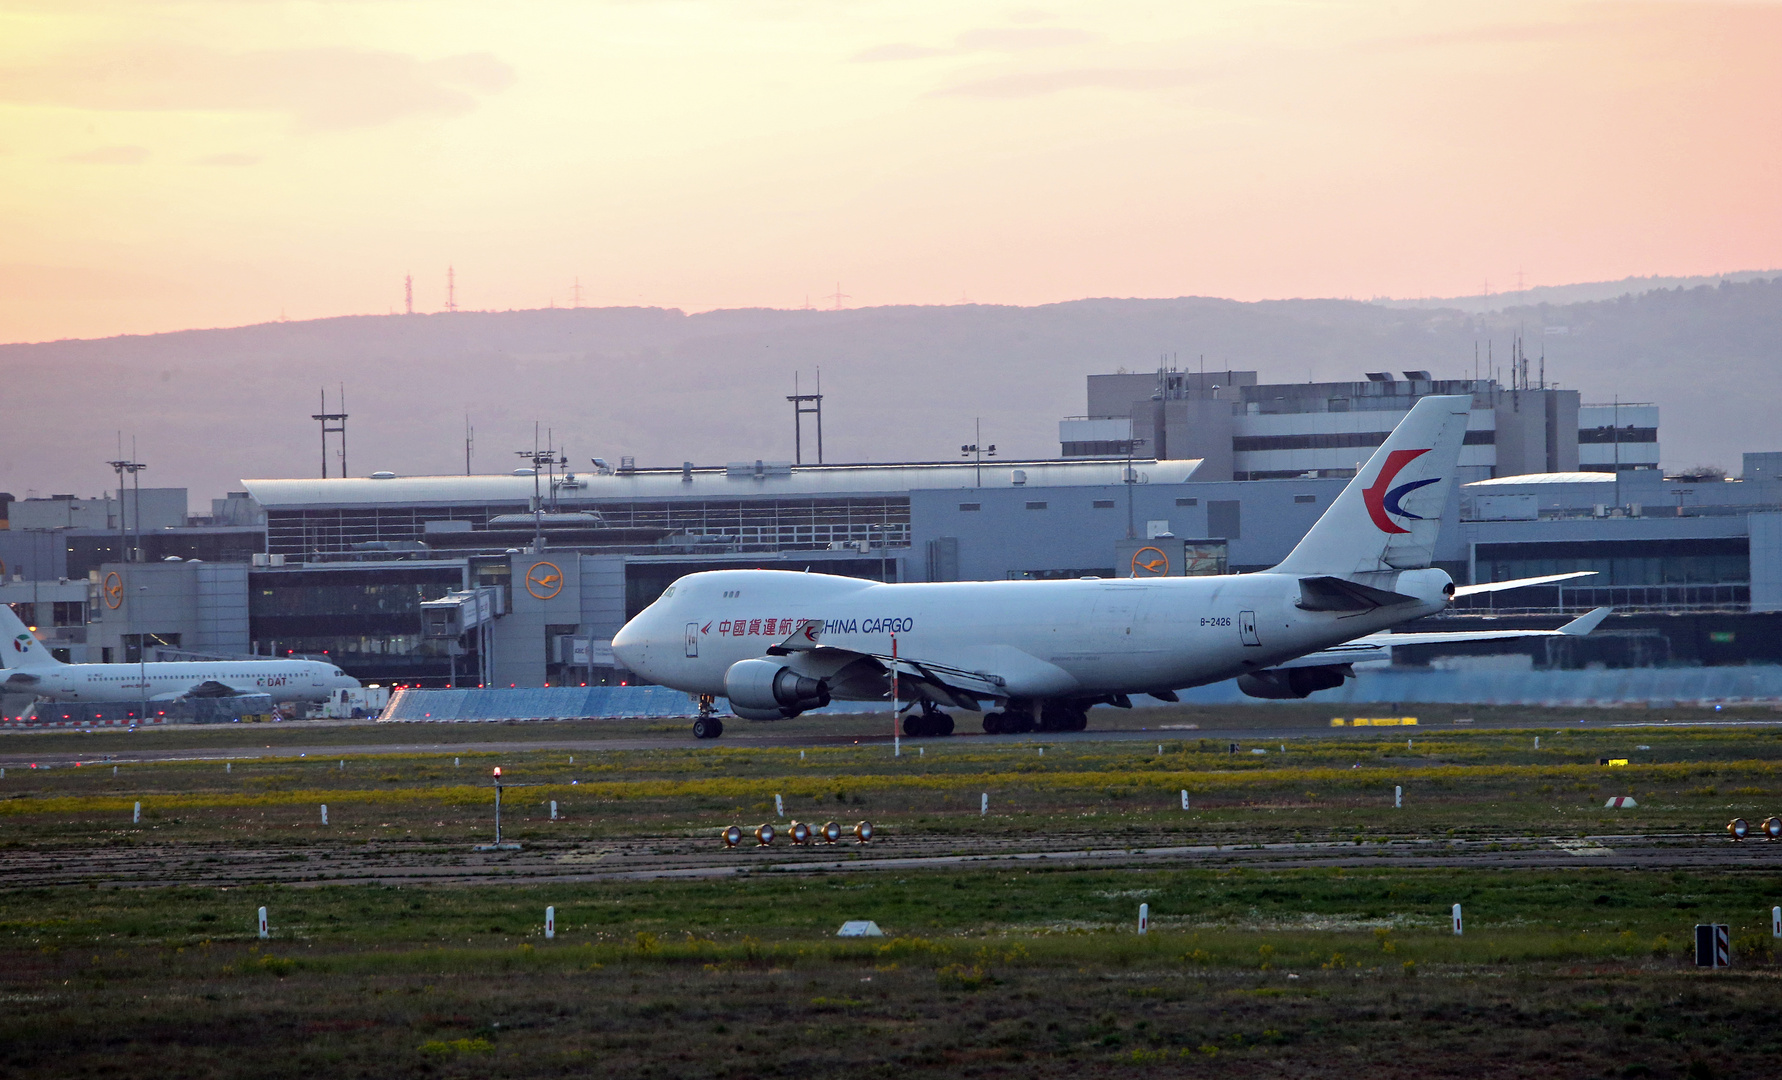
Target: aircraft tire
[1019, 723]
[943, 725]
[708, 727]
[916, 727]
[993, 723]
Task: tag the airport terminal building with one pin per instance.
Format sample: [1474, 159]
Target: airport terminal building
[523, 579]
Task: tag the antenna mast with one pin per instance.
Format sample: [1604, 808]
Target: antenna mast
[451, 289]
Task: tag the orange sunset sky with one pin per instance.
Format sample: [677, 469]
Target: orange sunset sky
[166, 165]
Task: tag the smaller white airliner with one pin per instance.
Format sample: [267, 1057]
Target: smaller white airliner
[30, 669]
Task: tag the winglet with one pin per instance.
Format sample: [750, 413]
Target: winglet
[1585, 623]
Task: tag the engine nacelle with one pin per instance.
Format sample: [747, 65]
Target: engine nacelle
[1292, 682]
[769, 690]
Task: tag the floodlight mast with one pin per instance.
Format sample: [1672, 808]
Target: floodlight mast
[977, 448]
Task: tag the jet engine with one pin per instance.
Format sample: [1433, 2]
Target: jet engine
[1292, 682]
[769, 690]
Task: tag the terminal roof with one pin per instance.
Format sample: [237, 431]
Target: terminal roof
[708, 482]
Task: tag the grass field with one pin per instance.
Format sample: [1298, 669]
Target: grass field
[1029, 970]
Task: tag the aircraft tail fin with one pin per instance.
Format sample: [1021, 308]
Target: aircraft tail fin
[1386, 519]
[21, 650]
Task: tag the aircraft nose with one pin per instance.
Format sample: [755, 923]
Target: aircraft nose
[628, 646]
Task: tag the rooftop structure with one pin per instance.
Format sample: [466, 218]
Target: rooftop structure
[1249, 430]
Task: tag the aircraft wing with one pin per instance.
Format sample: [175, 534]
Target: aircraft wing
[210, 688]
[977, 673]
[1379, 646]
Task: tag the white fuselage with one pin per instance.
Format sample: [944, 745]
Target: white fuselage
[1043, 638]
[285, 680]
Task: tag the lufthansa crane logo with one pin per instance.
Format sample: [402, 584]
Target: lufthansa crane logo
[1150, 562]
[544, 580]
[114, 590]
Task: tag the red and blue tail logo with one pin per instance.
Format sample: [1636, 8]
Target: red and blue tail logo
[1383, 500]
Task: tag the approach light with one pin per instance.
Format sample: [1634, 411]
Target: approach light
[497, 772]
[863, 832]
[764, 835]
[801, 833]
[831, 832]
[1772, 828]
[1738, 828]
[732, 836]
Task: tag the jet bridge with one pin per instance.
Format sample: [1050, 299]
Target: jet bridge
[460, 618]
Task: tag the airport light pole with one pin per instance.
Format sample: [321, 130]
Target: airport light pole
[1130, 479]
[133, 468]
[978, 448]
[141, 655]
[546, 458]
[884, 532]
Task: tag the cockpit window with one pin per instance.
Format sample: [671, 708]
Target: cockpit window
[668, 592]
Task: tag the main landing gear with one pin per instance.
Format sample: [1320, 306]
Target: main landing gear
[707, 726]
[1020, 717]
[929, 723]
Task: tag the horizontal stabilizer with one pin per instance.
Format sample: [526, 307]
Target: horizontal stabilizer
[1518, 583]
[1337, 594]
[1586, 622]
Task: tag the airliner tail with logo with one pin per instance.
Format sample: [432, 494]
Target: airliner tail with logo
[1036, 655]
[30, 669]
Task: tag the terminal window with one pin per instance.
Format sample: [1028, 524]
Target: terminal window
[1104, 504]
[1187, 502]
[1036, 506]
[971, 506]
[1305, 498]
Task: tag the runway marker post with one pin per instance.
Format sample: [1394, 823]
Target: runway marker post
[1144, 918]
[779, 807]
[984, 804]
[324, 813]
[1398, 797]
[1458, 928]
[136, 815]
[550, 922]
[265, 932]
[553, 809]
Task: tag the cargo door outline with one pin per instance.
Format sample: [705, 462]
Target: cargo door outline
[692, 640]
[1247, 628]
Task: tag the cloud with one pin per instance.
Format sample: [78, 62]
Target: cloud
[111, 155]
[1021, 38]
[1003, 39]
[881, 53]
[229, 159]
[1038, 83]
[320, 88]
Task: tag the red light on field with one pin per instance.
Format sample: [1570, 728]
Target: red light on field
[497, 772]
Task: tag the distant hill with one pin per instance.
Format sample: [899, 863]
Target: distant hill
[1575, 294]
[209, 407]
